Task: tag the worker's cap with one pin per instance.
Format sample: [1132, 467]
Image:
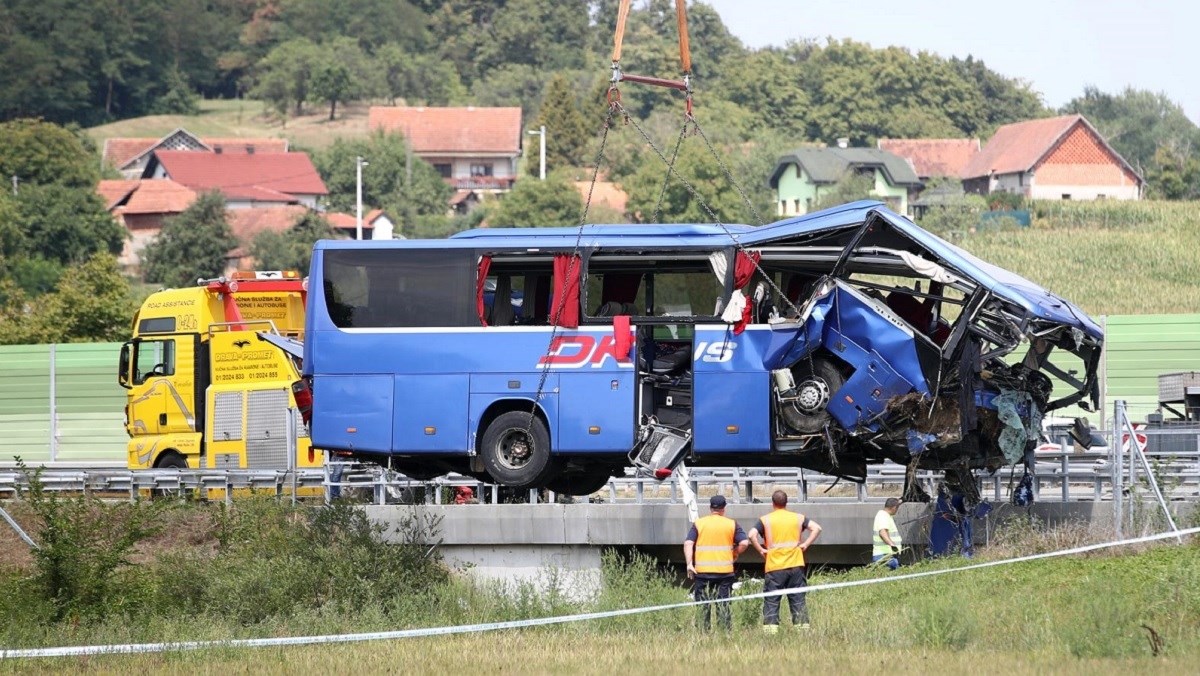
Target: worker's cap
[716, 502]
[891, 502]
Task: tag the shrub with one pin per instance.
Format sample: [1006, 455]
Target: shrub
[83, 543]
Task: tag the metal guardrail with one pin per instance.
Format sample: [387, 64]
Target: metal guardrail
[1060, 476]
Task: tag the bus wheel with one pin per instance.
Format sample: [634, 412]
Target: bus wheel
[816, 381]
[579, 484]
[516, 450]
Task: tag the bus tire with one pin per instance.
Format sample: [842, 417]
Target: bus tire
[516, 450]
[817, 380]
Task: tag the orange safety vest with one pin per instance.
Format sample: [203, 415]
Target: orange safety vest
[714, 544]
[782, 534]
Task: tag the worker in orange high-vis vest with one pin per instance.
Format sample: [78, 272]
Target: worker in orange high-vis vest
[777, 537]
[713, 543]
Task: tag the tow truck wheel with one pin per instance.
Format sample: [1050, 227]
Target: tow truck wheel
[172, 461]
[579, 484]
[516, 450]
[169, 460]
[816, 382]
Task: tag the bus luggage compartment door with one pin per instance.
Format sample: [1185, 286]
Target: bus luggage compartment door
[352, 413]
[431, 413]
[596, 412]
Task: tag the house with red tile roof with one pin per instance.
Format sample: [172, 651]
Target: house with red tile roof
[475, 149]
[246, 224]
[1058, 158]
[130, 155]
[375, 224]
[142, 206]
[245, 179]
[933, 157]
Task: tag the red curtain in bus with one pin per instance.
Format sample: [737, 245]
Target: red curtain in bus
[567, 269]
[485, 264]
[744, 266]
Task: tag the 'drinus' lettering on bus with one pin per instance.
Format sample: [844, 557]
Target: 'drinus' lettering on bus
[714, 352]
[578, 351]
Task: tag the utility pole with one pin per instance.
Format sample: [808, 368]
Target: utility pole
[359, 164]
[542, 151]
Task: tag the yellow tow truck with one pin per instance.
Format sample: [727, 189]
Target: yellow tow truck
[212, 376]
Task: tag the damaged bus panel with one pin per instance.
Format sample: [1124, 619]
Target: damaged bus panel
[559, 356]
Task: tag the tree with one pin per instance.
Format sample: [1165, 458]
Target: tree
[42, 153]
[290, 250]
[417, 78]
[510, 85]
[342, 73]
[370, 23]
[400, 183]
[92, 302]
[284, 77]
[567, 130]
[548, 36]
[767, 83]
[713, 191]
[552, 202]
[66, 224]
[193, 245]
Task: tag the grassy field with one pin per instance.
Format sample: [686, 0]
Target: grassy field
[245, 118]
[1107, 257]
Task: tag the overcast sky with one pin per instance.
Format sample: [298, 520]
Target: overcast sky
[1058, 46]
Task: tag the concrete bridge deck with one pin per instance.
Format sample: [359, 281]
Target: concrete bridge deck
[522, 542]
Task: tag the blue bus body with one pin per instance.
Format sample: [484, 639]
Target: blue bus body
[862, 338]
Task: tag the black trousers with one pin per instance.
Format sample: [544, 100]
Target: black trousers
[711, 588]
[788, 578]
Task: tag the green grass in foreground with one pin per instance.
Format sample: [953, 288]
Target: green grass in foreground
[1079, 615]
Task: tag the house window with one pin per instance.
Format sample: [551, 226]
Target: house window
[1066, 195]
[481, 169]
[443, 170]
[783, 204]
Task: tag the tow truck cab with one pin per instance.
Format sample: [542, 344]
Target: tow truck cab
[212, 377]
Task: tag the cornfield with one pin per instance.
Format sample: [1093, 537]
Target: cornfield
[1108, 257]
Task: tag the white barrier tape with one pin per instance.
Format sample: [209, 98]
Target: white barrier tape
[130, 648]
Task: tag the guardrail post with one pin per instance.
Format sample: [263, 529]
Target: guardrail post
[1116, 460]
[1064, 469]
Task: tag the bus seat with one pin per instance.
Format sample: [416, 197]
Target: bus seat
[670, 363]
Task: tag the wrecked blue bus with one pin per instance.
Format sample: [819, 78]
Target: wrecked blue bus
[827, 341]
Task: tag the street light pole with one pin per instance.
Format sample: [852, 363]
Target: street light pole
[359, 164]
[542, 151]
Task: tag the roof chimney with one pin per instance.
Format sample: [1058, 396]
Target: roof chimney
[249, 148]
[843, 142]
[218, 149]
